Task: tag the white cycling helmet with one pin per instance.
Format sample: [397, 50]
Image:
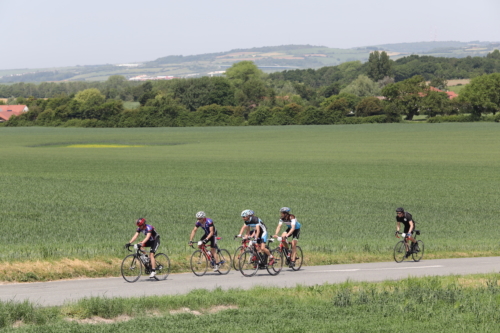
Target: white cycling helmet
[200, 215]
[246, 212]
[285, 210]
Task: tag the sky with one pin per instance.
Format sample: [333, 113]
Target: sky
[57, 33]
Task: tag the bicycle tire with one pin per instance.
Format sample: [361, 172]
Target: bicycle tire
[299, 258]
[131, 268]
[225, 261]
[400, 251]
[276, 268]
[248, 263]
[236, 258]
[162, 266]
[199, 263]
[418, 251]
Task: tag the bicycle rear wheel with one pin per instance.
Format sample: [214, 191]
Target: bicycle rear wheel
[248, 263]
[236, 258]
[418, 251]
[400, 251]
[224, 261]
[131, 268]
[275, 268]
[299, 257]
[199, 263]
[162, 266]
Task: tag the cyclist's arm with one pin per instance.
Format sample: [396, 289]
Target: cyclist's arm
[134, 237]
[397, 225]
[148, 236]
[257, 231]
[243, 228]
[212, 232]
[193, 233]
[412, 226]
[278, 228]
[292, 229]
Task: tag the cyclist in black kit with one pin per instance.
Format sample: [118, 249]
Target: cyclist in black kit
[409, 224]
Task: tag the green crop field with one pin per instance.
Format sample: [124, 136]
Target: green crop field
[75, 193]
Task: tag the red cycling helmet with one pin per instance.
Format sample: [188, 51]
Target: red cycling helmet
[140, 222]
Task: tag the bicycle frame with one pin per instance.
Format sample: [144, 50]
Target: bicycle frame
[208, 254]
[260, 254]
[145, 260]
[406, 239]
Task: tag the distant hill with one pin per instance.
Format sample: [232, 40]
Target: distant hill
[269, 59]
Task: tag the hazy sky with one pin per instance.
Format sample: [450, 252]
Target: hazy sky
[39, 34]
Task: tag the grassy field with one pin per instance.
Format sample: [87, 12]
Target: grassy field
[437, 304]
[342, 182]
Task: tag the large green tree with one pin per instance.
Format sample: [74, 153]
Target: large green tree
[379, 65]
[243, 71]
[406, 96]
[362, 87]
[483, 94]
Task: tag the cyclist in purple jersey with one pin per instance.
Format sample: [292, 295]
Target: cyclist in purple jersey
[152, 240]
[210, 235]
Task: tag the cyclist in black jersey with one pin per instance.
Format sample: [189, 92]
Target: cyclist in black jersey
[409, 226]
[256, 228]
[152, 240]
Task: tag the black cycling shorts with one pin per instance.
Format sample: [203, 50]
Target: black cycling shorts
[212, 241]
[295, 234]
[153, 244]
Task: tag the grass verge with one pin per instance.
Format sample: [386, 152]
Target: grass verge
[434, 304]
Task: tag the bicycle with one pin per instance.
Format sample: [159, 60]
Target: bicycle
[401, 251]
[200, 259]
[133, 264]
[287, 252]
[252, 260]
[239, 251]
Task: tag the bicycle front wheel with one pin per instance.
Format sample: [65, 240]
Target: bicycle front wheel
[299, 257]
[400, 251]
[199, 263]
[131, 268]
[276, 267]
[236, 258]
[224, 261]
[418, 251]
[248, 263]
[162, 266]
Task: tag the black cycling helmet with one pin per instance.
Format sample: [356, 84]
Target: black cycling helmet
[400, 210]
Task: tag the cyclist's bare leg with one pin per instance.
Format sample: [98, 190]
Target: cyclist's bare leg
[213, 250]
[284, 235]
[294, 249]
[153, 260]
[264, 249]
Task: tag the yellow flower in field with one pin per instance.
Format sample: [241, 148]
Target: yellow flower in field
[103, 146]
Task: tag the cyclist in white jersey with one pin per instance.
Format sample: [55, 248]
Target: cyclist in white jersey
[293, 229]
[259, 231]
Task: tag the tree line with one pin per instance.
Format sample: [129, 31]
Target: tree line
[349, 93]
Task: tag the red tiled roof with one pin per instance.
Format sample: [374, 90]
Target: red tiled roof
[6, 111]
[450, 94]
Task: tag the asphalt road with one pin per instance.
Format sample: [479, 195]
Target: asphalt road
[58, 292]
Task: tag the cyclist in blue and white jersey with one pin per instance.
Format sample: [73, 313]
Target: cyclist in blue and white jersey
[210, 235]
[293, 229]
[152, 240]
[256, 228]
